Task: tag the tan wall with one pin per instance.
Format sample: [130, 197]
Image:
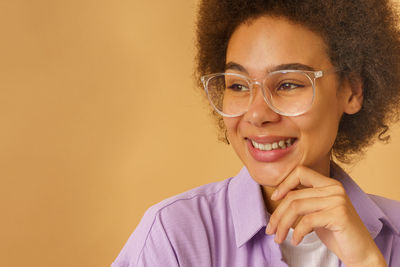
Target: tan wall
[100, 119]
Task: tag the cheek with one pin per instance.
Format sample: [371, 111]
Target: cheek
[324, 116]
[318, 132]
[231, 125]
[233, 134]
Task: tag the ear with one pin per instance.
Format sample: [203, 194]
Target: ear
[354, 96]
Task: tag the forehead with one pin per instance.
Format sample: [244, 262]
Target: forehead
[267, 41]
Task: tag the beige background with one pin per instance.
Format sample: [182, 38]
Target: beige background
[100, 119]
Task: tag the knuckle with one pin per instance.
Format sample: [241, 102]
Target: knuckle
[299, 170]
[338, 200]
[295, 205]
[339, 189]
[308, 220]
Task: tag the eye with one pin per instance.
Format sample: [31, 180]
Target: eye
[237, 87]
[288, 86]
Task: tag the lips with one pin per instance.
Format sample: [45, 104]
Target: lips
[271, 148]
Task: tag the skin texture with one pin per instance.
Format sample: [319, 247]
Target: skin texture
[305, 197]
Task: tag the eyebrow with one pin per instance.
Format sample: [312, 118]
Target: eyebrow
[290, 66]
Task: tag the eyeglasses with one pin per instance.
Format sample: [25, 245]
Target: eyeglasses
[287, 92]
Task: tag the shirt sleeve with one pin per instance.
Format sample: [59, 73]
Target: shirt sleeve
[148, 246]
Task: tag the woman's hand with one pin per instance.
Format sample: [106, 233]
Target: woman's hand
[321, 205]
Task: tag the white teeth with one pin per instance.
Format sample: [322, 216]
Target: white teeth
[275, 145]
[282, 144]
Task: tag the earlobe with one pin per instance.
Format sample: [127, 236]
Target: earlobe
[354, 95]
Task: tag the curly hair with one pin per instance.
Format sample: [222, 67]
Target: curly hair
[363, 40]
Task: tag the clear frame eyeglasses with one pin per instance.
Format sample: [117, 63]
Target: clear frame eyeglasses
[287, 92]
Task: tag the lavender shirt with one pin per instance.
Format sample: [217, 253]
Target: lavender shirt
[223, 224]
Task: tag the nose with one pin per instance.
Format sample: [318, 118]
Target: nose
[259, 113]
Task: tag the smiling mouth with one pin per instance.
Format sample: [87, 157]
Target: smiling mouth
[280, 144]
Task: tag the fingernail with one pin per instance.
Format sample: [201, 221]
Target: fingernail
[276, 238]
[268, 229]
[274, 194]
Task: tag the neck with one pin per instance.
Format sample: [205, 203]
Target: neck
[270, 205]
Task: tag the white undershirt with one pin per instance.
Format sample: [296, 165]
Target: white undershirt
[311, 252]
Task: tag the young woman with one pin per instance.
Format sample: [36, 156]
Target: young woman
[292, 83]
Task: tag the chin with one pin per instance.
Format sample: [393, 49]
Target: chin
[269, 174]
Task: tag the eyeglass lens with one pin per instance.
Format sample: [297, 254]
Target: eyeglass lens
[288, 93]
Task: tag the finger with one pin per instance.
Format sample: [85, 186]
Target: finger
[305, 193]
[298, 208]
[309, 223]
[298, 194]
[301, 176]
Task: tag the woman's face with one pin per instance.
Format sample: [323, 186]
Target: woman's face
[255, 49]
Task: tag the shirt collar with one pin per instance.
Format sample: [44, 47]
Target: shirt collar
[370, 213]
[249, 213]
[247, 207]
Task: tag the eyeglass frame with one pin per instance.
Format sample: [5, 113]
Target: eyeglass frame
[317, 74]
